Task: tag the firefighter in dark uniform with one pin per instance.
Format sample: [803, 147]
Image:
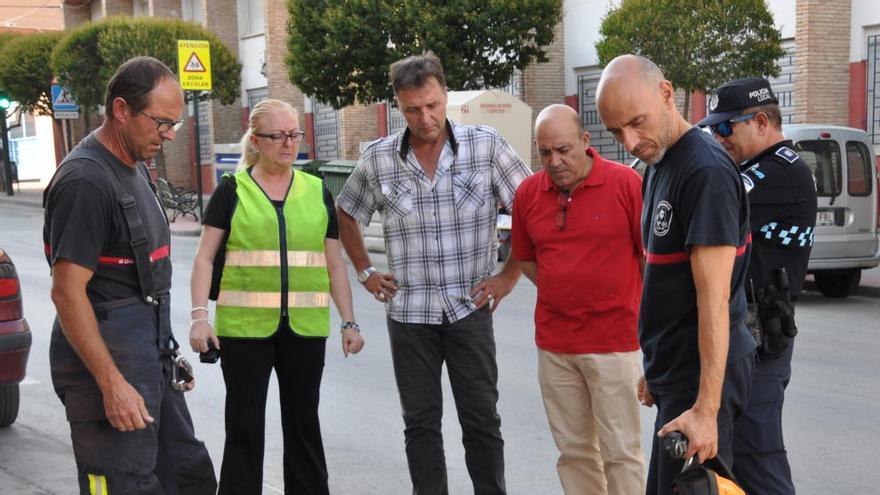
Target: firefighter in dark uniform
[112, 354]
[745, 118]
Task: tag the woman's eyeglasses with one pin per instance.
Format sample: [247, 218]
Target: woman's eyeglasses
[282, 137]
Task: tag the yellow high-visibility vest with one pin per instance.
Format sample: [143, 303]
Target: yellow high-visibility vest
[263, 240]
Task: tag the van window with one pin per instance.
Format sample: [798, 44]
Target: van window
[858, 169]
[823, 158]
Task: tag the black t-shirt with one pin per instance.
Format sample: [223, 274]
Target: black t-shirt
[782, 198]
[222, 204]
[84, 223]
[693, 197]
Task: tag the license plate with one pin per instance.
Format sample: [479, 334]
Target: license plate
[824, 218]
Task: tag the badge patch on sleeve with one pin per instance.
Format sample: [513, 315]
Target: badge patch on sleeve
[787, 154]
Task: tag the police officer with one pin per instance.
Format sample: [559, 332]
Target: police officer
[745, 118]
[113, 356]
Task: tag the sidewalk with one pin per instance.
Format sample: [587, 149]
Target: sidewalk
[31, 196]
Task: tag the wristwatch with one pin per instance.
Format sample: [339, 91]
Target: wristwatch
[364, 275]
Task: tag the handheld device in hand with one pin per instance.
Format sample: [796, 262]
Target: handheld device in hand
[211, 355]
[676, 444]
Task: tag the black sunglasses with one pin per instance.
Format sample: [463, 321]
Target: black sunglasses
[725, 129]
[561, 215]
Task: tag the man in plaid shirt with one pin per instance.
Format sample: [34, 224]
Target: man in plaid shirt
[437, 186]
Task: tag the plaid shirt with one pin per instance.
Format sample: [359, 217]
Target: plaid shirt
[439, 234]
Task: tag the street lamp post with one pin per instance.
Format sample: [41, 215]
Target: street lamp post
[4, 105]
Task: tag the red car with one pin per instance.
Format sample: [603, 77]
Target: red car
[15, 340]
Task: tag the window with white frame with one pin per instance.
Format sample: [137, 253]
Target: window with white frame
[25, 127]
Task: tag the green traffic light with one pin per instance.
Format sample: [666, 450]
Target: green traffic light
[4, 100]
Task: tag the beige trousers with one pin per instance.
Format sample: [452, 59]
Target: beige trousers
[593, 409]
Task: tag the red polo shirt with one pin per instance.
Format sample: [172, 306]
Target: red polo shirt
[589, 283]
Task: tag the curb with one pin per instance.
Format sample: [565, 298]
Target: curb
[5, 200]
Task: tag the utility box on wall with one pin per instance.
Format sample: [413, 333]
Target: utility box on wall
[495, 108]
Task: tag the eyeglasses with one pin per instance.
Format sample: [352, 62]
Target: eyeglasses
[561, 215]
[162, 125]
[282, 137]
[725, 129]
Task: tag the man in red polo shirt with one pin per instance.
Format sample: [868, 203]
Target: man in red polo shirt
[576, 233]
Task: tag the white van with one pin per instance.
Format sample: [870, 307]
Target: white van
[847, 237]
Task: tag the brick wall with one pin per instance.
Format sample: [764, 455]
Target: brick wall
[74, 16]
[177, 155]
[822, 61]
[116, 7]
[226, 120]
[165, 8]
[279, 85]
[544, 84]
[356, 123]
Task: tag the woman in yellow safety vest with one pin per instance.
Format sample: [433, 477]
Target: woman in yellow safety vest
[273, 233]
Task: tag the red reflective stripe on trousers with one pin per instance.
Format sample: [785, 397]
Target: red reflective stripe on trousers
[668, 259]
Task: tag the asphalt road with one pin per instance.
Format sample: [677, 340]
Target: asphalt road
[831, 414]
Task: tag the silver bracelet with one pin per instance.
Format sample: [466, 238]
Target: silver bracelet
[198, 308]
[196, 320]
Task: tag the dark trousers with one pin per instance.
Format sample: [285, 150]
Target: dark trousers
[760, 461]
[109, 461]
[247, 365]
[165, 458]
[734, 396]
[468, 348]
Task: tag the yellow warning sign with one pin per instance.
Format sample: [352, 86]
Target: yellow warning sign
[194, 64]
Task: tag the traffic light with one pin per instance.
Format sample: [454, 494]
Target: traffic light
[4, 100]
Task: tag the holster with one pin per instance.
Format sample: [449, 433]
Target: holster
[776, 315]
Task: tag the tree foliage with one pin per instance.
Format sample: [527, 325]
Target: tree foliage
[87, 57]
[339, 52]
[24, 73]
[5, 37]
[699, 44]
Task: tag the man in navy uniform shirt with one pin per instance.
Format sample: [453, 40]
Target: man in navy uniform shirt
[746, 120]
[698, 353]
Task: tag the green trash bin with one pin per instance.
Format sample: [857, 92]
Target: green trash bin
[336, 173]
[310, 166]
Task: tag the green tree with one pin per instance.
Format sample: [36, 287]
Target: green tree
[5, 37]
[86, 58]
[25, 73]
[699, 44]
[339, 52]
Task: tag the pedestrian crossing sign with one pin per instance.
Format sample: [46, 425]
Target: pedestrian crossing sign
[194, 64]
[63, 104]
